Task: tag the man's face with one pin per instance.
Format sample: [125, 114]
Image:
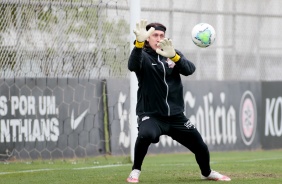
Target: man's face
[155, 38]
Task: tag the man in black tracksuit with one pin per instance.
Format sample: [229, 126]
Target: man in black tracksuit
[160, 103]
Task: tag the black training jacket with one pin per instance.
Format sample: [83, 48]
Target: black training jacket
[160, 89]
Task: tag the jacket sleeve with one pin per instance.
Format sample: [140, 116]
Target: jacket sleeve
[184, 66]
[135, 59]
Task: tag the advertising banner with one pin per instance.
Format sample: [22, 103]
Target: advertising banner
[227, 114]
[118, 95]
[50, 117]
[271, 132]
[55, 118]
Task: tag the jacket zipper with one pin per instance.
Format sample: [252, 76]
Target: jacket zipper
[168, 108]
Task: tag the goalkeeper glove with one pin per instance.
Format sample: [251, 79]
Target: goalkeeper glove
[166, 49]
[141, 33]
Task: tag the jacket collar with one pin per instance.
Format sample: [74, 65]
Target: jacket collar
[150, 51]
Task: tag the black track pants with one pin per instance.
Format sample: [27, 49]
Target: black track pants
[179, 128]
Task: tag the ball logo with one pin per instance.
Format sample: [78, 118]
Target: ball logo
[248, 117]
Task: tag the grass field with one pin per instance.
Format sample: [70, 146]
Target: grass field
[243, 167]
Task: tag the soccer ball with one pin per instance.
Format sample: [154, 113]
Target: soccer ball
[203, 35]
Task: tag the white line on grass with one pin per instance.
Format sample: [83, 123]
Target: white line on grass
[27, 171]
[260, 159]
[78, 168]
[98, 167]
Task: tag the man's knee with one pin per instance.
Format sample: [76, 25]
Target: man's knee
[148, 137]
[202, 147]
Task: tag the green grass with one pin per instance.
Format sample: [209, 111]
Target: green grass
[243, 167]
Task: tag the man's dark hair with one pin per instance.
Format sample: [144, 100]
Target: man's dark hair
[157, 26]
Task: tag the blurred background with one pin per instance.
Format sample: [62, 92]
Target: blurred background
[90, 38]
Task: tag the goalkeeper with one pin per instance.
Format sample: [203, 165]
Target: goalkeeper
[160, 103]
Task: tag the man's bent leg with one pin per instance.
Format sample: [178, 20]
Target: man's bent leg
[148, 132]
[140, 151]
[186, 134]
